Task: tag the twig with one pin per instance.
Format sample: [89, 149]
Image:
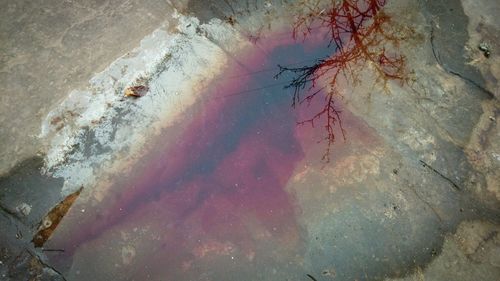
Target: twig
[53, 250]
[312, 278]
[441, 175]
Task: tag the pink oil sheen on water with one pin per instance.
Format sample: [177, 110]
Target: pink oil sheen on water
[217, 192]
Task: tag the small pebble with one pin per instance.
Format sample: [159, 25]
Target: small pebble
[24, 209]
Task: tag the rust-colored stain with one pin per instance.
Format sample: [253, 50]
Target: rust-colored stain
[53, 218]
[136, 91]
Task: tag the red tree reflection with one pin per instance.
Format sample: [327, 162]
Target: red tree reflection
[359, 32]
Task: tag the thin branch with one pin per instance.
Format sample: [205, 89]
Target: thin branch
[359, 32]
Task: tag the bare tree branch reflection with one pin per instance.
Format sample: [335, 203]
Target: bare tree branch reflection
[362, 36]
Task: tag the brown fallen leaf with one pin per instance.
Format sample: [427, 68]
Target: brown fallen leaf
[53, 218]
[136, 91]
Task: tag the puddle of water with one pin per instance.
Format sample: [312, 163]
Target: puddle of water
[256, 176]
[214, 197]
[211, 199]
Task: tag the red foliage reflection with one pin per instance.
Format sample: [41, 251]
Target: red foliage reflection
[360, 33]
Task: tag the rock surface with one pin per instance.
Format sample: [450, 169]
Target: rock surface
[412, 193]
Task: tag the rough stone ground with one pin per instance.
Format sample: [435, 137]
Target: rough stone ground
[471, 253]
[385, 212]
[51, 47]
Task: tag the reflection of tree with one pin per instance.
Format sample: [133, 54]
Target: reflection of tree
[359, 32]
